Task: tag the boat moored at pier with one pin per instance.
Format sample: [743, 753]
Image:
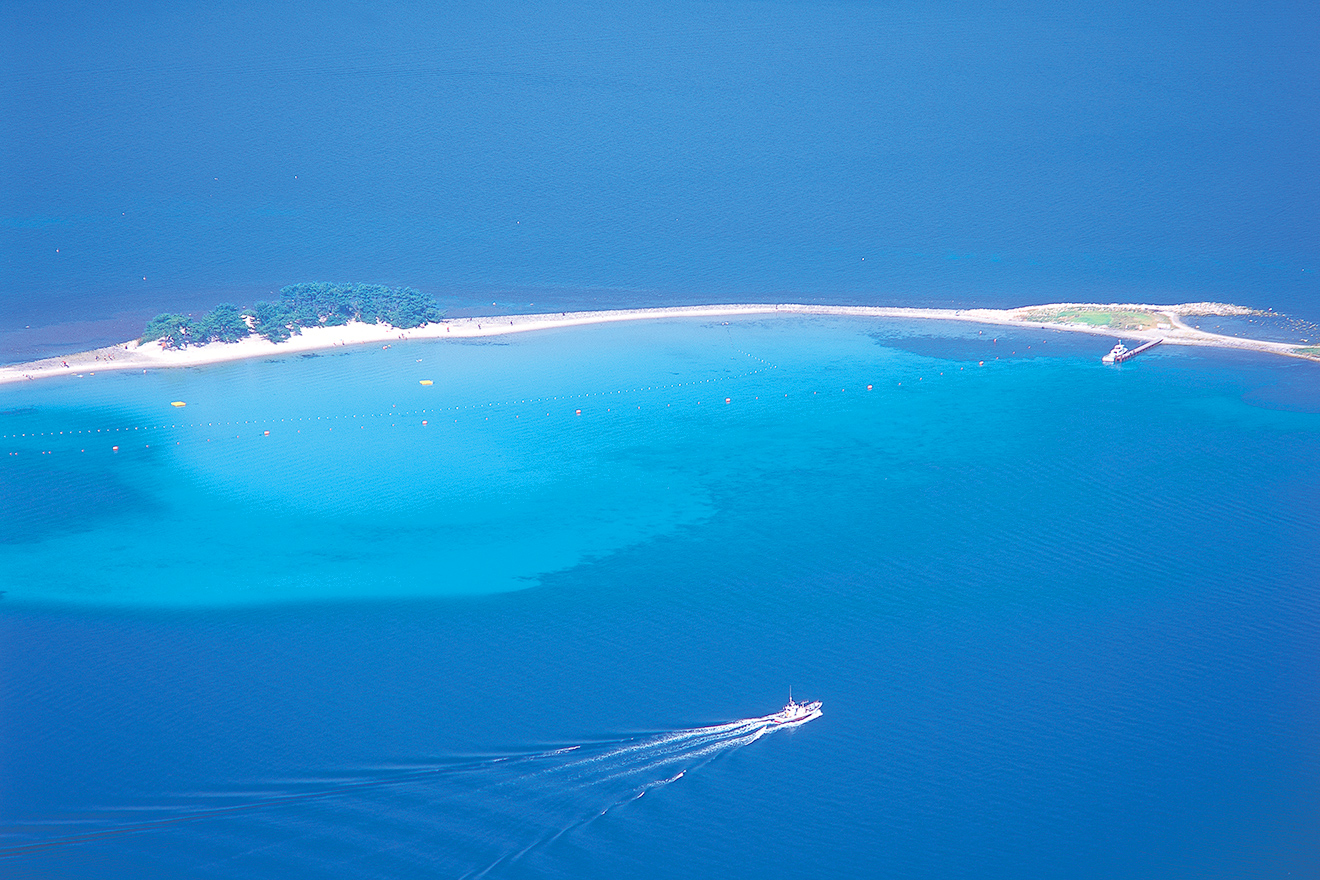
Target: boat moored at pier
[1121, 352]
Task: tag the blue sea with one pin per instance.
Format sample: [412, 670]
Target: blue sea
[326, 621]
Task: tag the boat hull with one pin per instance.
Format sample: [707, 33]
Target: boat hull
[794, 722]
[799, 714]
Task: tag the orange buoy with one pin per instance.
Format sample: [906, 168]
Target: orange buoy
[868, 387]
[267, 434]
[114, 448]
[728, 400]
[423, 421]
[579, 412]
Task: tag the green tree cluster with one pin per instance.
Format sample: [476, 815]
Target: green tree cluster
[224, 323]
[174, 331]
[312, 304]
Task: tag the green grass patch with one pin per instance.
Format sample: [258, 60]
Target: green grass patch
[1114, 319]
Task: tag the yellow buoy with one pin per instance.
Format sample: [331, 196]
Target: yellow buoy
[177, 403]
[425, 381]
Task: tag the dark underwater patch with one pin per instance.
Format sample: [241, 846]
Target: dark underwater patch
[57, 477]
[40, 499]
[1297, 389]
[997, 342]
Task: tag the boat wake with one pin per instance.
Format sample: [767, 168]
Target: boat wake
[471, 818]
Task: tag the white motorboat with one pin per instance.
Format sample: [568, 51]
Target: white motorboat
[794, 713]
[1117, 355]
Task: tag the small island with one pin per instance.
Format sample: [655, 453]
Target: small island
[319, 315]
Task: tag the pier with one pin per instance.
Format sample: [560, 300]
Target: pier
[1121, 353]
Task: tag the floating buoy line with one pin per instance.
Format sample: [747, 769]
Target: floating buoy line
[418, 417]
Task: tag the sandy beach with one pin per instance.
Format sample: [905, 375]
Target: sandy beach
[134, 356]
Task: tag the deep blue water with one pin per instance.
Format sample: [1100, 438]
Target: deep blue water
[1063, 617]
[620, 153]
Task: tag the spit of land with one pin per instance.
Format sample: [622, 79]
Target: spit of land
[1129, 320]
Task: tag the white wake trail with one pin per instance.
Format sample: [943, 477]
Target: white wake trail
[660, 756]
[481, 814]
[622, 770]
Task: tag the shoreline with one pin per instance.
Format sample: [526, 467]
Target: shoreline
[135, 356]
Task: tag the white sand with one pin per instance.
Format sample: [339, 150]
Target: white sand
[132, 356]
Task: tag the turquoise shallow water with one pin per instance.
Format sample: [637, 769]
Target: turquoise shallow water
[340, 475]
[1062, 616]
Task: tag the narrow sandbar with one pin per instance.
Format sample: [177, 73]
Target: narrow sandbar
[1136, 321]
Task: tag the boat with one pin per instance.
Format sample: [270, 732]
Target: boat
[794, 713]
[1121, 352]
[1115, 355]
